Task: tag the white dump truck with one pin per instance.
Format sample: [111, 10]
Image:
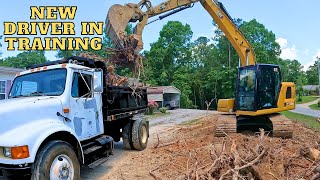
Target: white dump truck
[61, 115]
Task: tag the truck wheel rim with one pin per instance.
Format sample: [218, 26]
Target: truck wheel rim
[62, 168]
[144, 134]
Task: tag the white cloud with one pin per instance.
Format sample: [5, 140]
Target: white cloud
[282, 42]
[317, 54]
[312, 59]
[287, 52]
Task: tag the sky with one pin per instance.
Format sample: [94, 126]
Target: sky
[294, 22]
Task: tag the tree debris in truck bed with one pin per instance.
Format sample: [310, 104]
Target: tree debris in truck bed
[120, 58]
[114, 79]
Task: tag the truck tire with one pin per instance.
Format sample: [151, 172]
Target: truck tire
[140, 134]
[56, 155]
[126, 136]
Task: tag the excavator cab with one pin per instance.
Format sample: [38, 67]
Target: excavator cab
[259, 98]
[258, 87]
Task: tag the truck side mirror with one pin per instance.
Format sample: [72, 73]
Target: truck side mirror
[98, 81]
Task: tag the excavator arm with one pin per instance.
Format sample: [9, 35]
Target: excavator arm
[119, 16]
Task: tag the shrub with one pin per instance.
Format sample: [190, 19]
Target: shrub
[152, 105]
[299, 99]
[319, 103]
[163, 110]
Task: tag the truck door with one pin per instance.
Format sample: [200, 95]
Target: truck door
[85, 106]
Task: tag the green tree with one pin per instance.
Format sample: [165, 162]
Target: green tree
[169, 59]
[263, 41]
[312, 74]
[24, 59]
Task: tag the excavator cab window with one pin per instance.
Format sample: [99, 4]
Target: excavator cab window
[258, 87]
[246, 88]
[269, 81]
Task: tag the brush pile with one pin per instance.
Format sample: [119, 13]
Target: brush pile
[192, 152]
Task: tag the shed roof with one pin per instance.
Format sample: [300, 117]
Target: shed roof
[10, 69]
[310, 87]
[162, 89]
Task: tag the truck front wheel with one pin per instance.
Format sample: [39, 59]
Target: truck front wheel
[140, 134]
[57, 160]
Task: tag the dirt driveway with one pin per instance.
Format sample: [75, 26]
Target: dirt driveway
[117, 163]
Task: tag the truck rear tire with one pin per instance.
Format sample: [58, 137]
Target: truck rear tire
[140, 134]
[126, 136]
[56, 160]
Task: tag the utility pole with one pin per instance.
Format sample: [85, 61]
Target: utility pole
[319, 73]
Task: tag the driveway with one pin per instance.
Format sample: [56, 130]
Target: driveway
[157, 124]
[304, 109]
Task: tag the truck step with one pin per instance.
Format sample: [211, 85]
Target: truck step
[91, 149]
[98, 162]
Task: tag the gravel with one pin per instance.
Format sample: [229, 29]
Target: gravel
[179, 116]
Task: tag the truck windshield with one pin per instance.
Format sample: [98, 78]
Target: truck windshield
[43, 83]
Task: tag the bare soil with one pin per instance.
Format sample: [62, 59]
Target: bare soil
[190, 151]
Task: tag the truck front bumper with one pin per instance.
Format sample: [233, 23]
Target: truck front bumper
[14, 170]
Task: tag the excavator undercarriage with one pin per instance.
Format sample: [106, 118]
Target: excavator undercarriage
[278, 125]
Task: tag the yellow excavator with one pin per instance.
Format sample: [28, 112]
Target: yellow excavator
[260, 94]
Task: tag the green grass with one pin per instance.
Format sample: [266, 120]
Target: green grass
[307, 120]
[314, 106]
[156, 115]
[306, 99]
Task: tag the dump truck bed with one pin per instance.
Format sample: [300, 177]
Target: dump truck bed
[121, 102]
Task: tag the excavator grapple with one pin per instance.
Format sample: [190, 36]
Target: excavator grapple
[117, 20]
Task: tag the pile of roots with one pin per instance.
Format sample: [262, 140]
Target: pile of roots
[194, 153]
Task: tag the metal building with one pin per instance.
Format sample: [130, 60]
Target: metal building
[165, 96]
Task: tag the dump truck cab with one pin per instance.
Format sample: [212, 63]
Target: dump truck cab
[62, 104]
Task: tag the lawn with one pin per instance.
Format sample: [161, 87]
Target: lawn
[314, 106]
[157, 115]
[307, 120]
[306, 99]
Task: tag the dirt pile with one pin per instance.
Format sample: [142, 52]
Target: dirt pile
[194, 153]
[190, 151]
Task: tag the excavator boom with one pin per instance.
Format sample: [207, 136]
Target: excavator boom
[119, 16]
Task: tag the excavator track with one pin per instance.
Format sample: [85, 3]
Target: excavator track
[282, 126]
[226, 124]
[279, 125]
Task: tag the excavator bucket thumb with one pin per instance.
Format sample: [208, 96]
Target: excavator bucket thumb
[117, 20]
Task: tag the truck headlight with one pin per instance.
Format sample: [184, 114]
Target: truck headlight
[7, 152]
[17, 152]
